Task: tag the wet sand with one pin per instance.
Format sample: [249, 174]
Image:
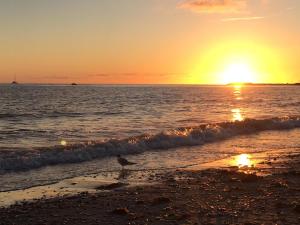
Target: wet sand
[187, 196]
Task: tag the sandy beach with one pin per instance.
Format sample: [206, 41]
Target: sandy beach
[186, 196]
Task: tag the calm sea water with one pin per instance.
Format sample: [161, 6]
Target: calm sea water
[54, 126]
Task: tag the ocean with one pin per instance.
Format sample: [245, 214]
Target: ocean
[53, 132]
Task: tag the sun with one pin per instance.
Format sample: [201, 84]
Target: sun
[239, 72]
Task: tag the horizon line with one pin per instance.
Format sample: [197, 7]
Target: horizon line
[158, 84]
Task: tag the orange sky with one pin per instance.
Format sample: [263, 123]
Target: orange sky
[150, 41]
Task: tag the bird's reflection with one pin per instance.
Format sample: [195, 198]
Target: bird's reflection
[124, 174]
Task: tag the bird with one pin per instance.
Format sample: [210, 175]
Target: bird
[124, 162]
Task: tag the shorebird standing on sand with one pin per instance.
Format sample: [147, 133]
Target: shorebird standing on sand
[124, 162]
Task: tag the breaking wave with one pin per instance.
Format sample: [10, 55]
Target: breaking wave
[184, 136]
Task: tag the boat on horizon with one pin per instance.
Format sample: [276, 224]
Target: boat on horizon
[14, 82]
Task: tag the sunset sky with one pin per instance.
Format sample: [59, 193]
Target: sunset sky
[150, 41]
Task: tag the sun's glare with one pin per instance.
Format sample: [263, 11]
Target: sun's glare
[238, 73]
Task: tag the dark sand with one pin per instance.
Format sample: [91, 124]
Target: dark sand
[181, 197]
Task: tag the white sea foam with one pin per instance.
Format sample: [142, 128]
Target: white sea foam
[185, 136]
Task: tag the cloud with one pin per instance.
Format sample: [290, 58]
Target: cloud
[242, 18]
[214, 6]
[280, 13]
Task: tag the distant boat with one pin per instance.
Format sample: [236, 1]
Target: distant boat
[74, 84]
[14, 81]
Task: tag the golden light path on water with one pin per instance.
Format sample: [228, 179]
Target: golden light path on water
[236, 115]
[243, 160]
[237, 112]
[237, 91]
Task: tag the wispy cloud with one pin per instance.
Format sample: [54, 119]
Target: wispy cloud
[214, 6]
[242, 18]
[280, 13]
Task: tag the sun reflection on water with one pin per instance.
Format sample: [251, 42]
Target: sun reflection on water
[237, 115]
[243, 160]
[236, 112]
[237, 92]
[63, 142]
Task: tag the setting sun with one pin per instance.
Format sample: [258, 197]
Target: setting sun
[238, 73]
[238, 60]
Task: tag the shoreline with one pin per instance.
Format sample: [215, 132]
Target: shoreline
[183, 196]
[138, 177]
